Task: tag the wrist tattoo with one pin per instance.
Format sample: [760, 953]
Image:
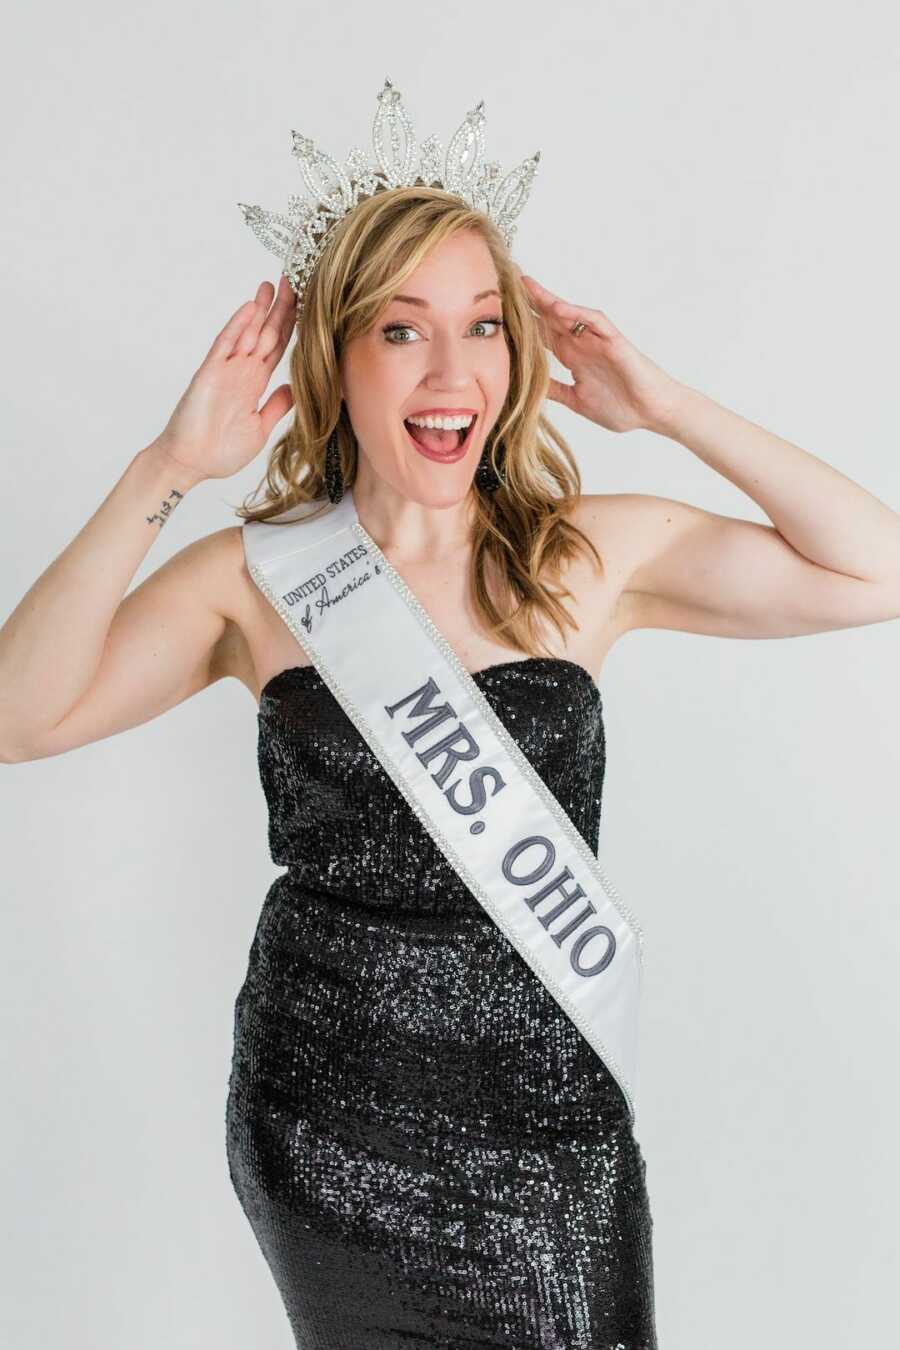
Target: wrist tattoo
[166, 508]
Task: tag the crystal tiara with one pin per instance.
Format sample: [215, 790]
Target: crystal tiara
[299, 237]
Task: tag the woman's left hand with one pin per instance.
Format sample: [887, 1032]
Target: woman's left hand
[615, 386]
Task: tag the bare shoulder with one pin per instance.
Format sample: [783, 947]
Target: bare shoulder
[214, 563]
[626, 528]
[652, 542]
[220, 567]
[632, 524]
[254, 642]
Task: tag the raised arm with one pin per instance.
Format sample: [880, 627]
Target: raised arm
[77, 661]
[829, 559]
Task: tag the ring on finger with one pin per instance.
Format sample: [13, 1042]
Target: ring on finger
[578, 327]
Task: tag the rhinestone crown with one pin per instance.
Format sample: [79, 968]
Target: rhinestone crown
[299, 237]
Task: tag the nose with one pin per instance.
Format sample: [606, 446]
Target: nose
[450, 364]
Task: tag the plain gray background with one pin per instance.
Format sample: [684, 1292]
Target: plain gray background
[721, 181]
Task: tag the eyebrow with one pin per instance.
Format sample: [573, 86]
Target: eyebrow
[417, 300]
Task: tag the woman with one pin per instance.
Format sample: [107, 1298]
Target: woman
[428, 1150]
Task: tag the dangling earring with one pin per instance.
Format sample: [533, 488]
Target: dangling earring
[334, 479]
[485, 476]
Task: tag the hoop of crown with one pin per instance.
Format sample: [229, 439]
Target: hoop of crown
[299, 237]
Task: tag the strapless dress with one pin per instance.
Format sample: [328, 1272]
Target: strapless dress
[428, 1151]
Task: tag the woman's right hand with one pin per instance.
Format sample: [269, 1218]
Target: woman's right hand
[217, 428]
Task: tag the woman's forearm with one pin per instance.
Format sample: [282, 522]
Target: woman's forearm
[52, 643]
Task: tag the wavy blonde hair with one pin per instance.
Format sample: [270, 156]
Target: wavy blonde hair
[521, 532]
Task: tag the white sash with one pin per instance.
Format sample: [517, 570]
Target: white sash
[464, 776]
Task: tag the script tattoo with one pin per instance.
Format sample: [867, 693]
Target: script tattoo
[166, 508]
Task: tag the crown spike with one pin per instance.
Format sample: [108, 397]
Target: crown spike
[299, 238]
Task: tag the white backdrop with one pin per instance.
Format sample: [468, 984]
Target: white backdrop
[721, 181]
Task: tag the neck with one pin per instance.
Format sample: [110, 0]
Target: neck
[408, 531]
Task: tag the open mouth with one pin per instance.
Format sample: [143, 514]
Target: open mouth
[441, 445]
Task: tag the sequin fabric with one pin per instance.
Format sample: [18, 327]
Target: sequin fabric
[430, 1154]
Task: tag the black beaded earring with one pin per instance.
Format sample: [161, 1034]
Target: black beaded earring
[485, 476]
[334, 479]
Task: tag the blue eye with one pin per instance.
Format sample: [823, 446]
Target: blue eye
[407, 328]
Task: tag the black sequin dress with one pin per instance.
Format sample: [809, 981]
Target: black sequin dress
[430, 1154]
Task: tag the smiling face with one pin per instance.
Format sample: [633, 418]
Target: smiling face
[440, 349]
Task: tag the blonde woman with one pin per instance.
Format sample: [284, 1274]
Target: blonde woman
[429, 1151]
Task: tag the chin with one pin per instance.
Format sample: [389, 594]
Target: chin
[439, 494]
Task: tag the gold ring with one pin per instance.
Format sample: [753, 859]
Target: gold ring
[578, 328]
